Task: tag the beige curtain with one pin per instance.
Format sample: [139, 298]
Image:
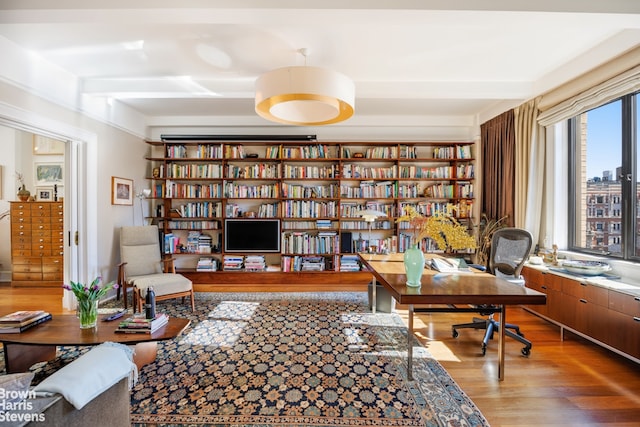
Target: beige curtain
[497, 144]
[530, 155]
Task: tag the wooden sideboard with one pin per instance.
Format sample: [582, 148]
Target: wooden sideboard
[607, 316]
[37, 243]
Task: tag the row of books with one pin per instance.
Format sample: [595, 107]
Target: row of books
[141, 325]
[20, 321]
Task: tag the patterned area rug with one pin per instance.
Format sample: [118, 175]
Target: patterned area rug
[293, 359]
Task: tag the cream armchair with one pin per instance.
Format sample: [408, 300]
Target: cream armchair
[142, 266]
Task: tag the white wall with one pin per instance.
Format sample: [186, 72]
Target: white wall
[116, 153]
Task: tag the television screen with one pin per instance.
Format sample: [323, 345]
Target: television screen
[251, 235]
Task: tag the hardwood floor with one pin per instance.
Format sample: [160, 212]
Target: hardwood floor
[562, 383]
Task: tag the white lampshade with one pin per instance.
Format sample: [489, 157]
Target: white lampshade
[304, 96]
[370, 215]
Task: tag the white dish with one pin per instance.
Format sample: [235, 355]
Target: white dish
[586, 268]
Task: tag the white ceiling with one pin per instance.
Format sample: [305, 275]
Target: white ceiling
[190, 62]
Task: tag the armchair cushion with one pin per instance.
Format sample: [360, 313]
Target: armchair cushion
[163, 283]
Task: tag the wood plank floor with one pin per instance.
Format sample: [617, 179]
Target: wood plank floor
[562, 383]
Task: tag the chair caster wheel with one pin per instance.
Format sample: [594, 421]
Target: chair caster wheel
[526, 351]
[454, 333]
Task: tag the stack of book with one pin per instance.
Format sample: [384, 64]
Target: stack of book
[232, 262]
[140, 325]
[207, 264]
[254, 263]
[20, 321]
[349, 263]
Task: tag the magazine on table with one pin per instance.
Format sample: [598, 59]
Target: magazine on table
[450, 265]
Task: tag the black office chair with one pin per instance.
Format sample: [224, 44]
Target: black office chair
[510, 249]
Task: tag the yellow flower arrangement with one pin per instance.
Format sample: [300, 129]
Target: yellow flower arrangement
[442, 227]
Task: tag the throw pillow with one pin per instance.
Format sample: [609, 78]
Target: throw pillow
[14, 388]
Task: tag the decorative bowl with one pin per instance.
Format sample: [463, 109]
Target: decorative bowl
[586, 268]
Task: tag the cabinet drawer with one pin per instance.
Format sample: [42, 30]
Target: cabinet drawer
[19, 240]
[20, 246]
[19, 254]
[52, 276]
[41, 237]
[584, 291]
[40, 220]
[40, 209]
[52, 268]
[41, 247]
[27, 268]
[26, 276]
[33, 260]
[624, 303]
[21, 219]
[23, 227]
[52, 260]
[43, 226]
[15, 207]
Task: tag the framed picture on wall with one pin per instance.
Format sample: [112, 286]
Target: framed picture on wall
[121, 191]
[48, 174]
[44, 194]
[47, 146]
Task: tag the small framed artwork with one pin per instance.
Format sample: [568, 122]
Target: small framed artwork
[48, 174]
[44, 194]
[47, 146]
[121, 191]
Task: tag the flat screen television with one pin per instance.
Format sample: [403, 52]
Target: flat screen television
[251, 235]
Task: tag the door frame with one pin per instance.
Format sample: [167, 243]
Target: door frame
[80, 208]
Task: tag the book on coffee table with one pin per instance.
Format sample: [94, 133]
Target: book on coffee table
[19, 317]
[27, 324]
[140, 325]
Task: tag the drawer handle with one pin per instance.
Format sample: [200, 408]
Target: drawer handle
[583, 284]
[637, 319]
[543, 287]
[584, 301]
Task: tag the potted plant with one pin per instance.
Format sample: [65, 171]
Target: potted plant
[23, 193]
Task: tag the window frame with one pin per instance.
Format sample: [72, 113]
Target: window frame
[629, 186]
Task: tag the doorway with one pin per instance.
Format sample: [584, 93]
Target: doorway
[79, 160]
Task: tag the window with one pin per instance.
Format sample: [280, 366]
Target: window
[603, 164]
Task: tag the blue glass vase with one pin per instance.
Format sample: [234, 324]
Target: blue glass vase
[414, 266]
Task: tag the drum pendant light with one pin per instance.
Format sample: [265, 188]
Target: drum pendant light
[304, 95]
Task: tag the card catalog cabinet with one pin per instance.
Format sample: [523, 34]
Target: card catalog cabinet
[37, 243]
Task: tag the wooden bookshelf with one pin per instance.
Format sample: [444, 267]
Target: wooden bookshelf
[315, 189]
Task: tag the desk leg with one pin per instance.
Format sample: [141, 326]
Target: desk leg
[374, 296]
[503, 321]
[410, 345]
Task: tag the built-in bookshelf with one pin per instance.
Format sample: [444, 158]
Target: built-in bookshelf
[315, 190]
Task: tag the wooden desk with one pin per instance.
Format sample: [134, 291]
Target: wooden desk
[448, 289]
[39, 343]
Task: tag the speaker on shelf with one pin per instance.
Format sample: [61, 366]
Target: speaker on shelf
[346, 240]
